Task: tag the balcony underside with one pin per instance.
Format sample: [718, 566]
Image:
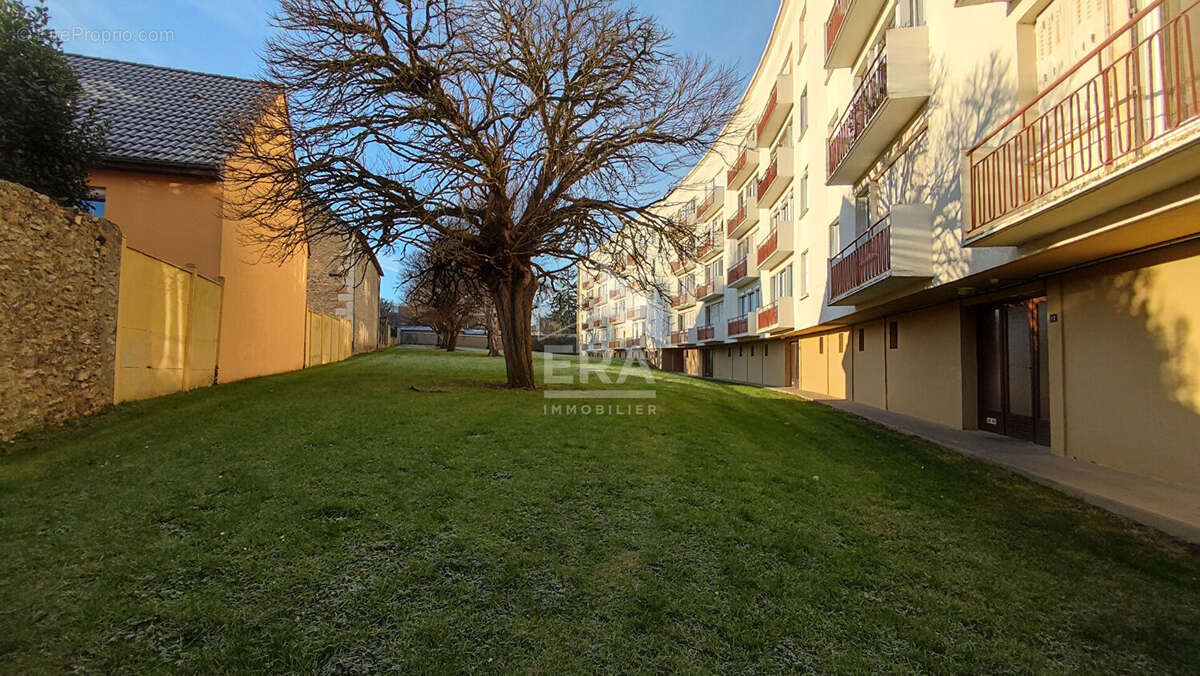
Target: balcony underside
[716, 293]
[744, 281]
[1175, 163]
[783, 318]
[886, 284]
[856, 27]
[746, 225]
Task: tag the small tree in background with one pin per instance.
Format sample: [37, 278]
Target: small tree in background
[535, 129]
[46, 143]
[443, 295]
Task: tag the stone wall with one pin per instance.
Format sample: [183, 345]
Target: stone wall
[326, 275]
[335, 287]
[59, 272]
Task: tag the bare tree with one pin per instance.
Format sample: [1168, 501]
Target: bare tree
[444, 295]
[535, 130]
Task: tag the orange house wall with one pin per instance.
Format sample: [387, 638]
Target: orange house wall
[175, 218]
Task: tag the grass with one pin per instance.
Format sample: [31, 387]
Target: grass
[337, 520]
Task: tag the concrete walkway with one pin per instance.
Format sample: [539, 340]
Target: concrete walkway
[1168, 507]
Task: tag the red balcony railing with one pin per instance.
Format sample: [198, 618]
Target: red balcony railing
[613, 319]
[678, 337]
[710, 201]
[867, 258]
[706, 332]
[867, 100]
[737, 220]
[587, 284]
[833, 25]
[737, 271]
[768, 315]
[676, 266]
[707, 245]
[768, 178]
[597, 346]
[740, 164]
[769, 245]
[706, 289]
[614, 344]
[584, 324]
[738, 325]
[771, 103]
[1139, 92]
[681, 298]
[635, 342]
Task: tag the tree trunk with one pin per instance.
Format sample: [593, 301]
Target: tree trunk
[452, 337]
[493, 329]
[514, 308]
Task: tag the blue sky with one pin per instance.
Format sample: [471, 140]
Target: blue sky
[226, 36]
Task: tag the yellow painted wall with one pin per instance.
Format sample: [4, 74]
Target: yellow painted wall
[167, 324]
[868, 364]
[175, 218]
[263, 329]
[330, 339]
[722, 363]
[924, 372]
[1131, 364]
[814, 369]
[775, 364]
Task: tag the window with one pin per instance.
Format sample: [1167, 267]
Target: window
[781, 284]
[783, 141]
[712, 314]
[804, 192]
[94, 204]
[750, 301]
[741, 250]
[834, 240]
[893, 335]
[802, 113]
[803, 274]
[782, 213]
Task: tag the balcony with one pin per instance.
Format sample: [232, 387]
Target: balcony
[713, 201]
[710, 246]
[634, 315]
[585, 284]
[635, 342]
[777, 317]
[745, 219]
[711, 333]
[846, 30]
[586, 302]
[779, 106]
[682, 300]
[776, 178]
[711, 290]
[891, 255]
[614, 344]
[777, 246]
[895, 88]
[597, 347]
[617, 318]
[684, 337]
[742, 272]
[744, 326]
[585, 325]
[1087, 145]
[745, 166]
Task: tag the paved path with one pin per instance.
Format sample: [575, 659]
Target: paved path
[1171, 508]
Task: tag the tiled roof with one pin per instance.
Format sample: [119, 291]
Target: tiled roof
[162, 115]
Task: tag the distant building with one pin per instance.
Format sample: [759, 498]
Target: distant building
[343, 280]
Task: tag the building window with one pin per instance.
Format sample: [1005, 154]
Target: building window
[94, 204]
[803, 274]
[781, 284]
[834, 240]
[804, 192]
[803, 112]
[893, 335]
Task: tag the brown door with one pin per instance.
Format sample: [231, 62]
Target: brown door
[1013, 370]
[707, 367]
[792, 359]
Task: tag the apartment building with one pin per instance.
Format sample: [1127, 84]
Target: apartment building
[978, 213]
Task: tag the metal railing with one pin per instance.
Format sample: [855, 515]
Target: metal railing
[706, 332]
[768, 315]
[768, 177]
[768, 246]
[867, 100]
[738, 270]
[868, 257]
[771, 104]
[738, 219]
[1136, 90]
[742, 159]
[833, 25]
[738, 325]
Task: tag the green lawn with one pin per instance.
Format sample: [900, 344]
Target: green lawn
[338, 519]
